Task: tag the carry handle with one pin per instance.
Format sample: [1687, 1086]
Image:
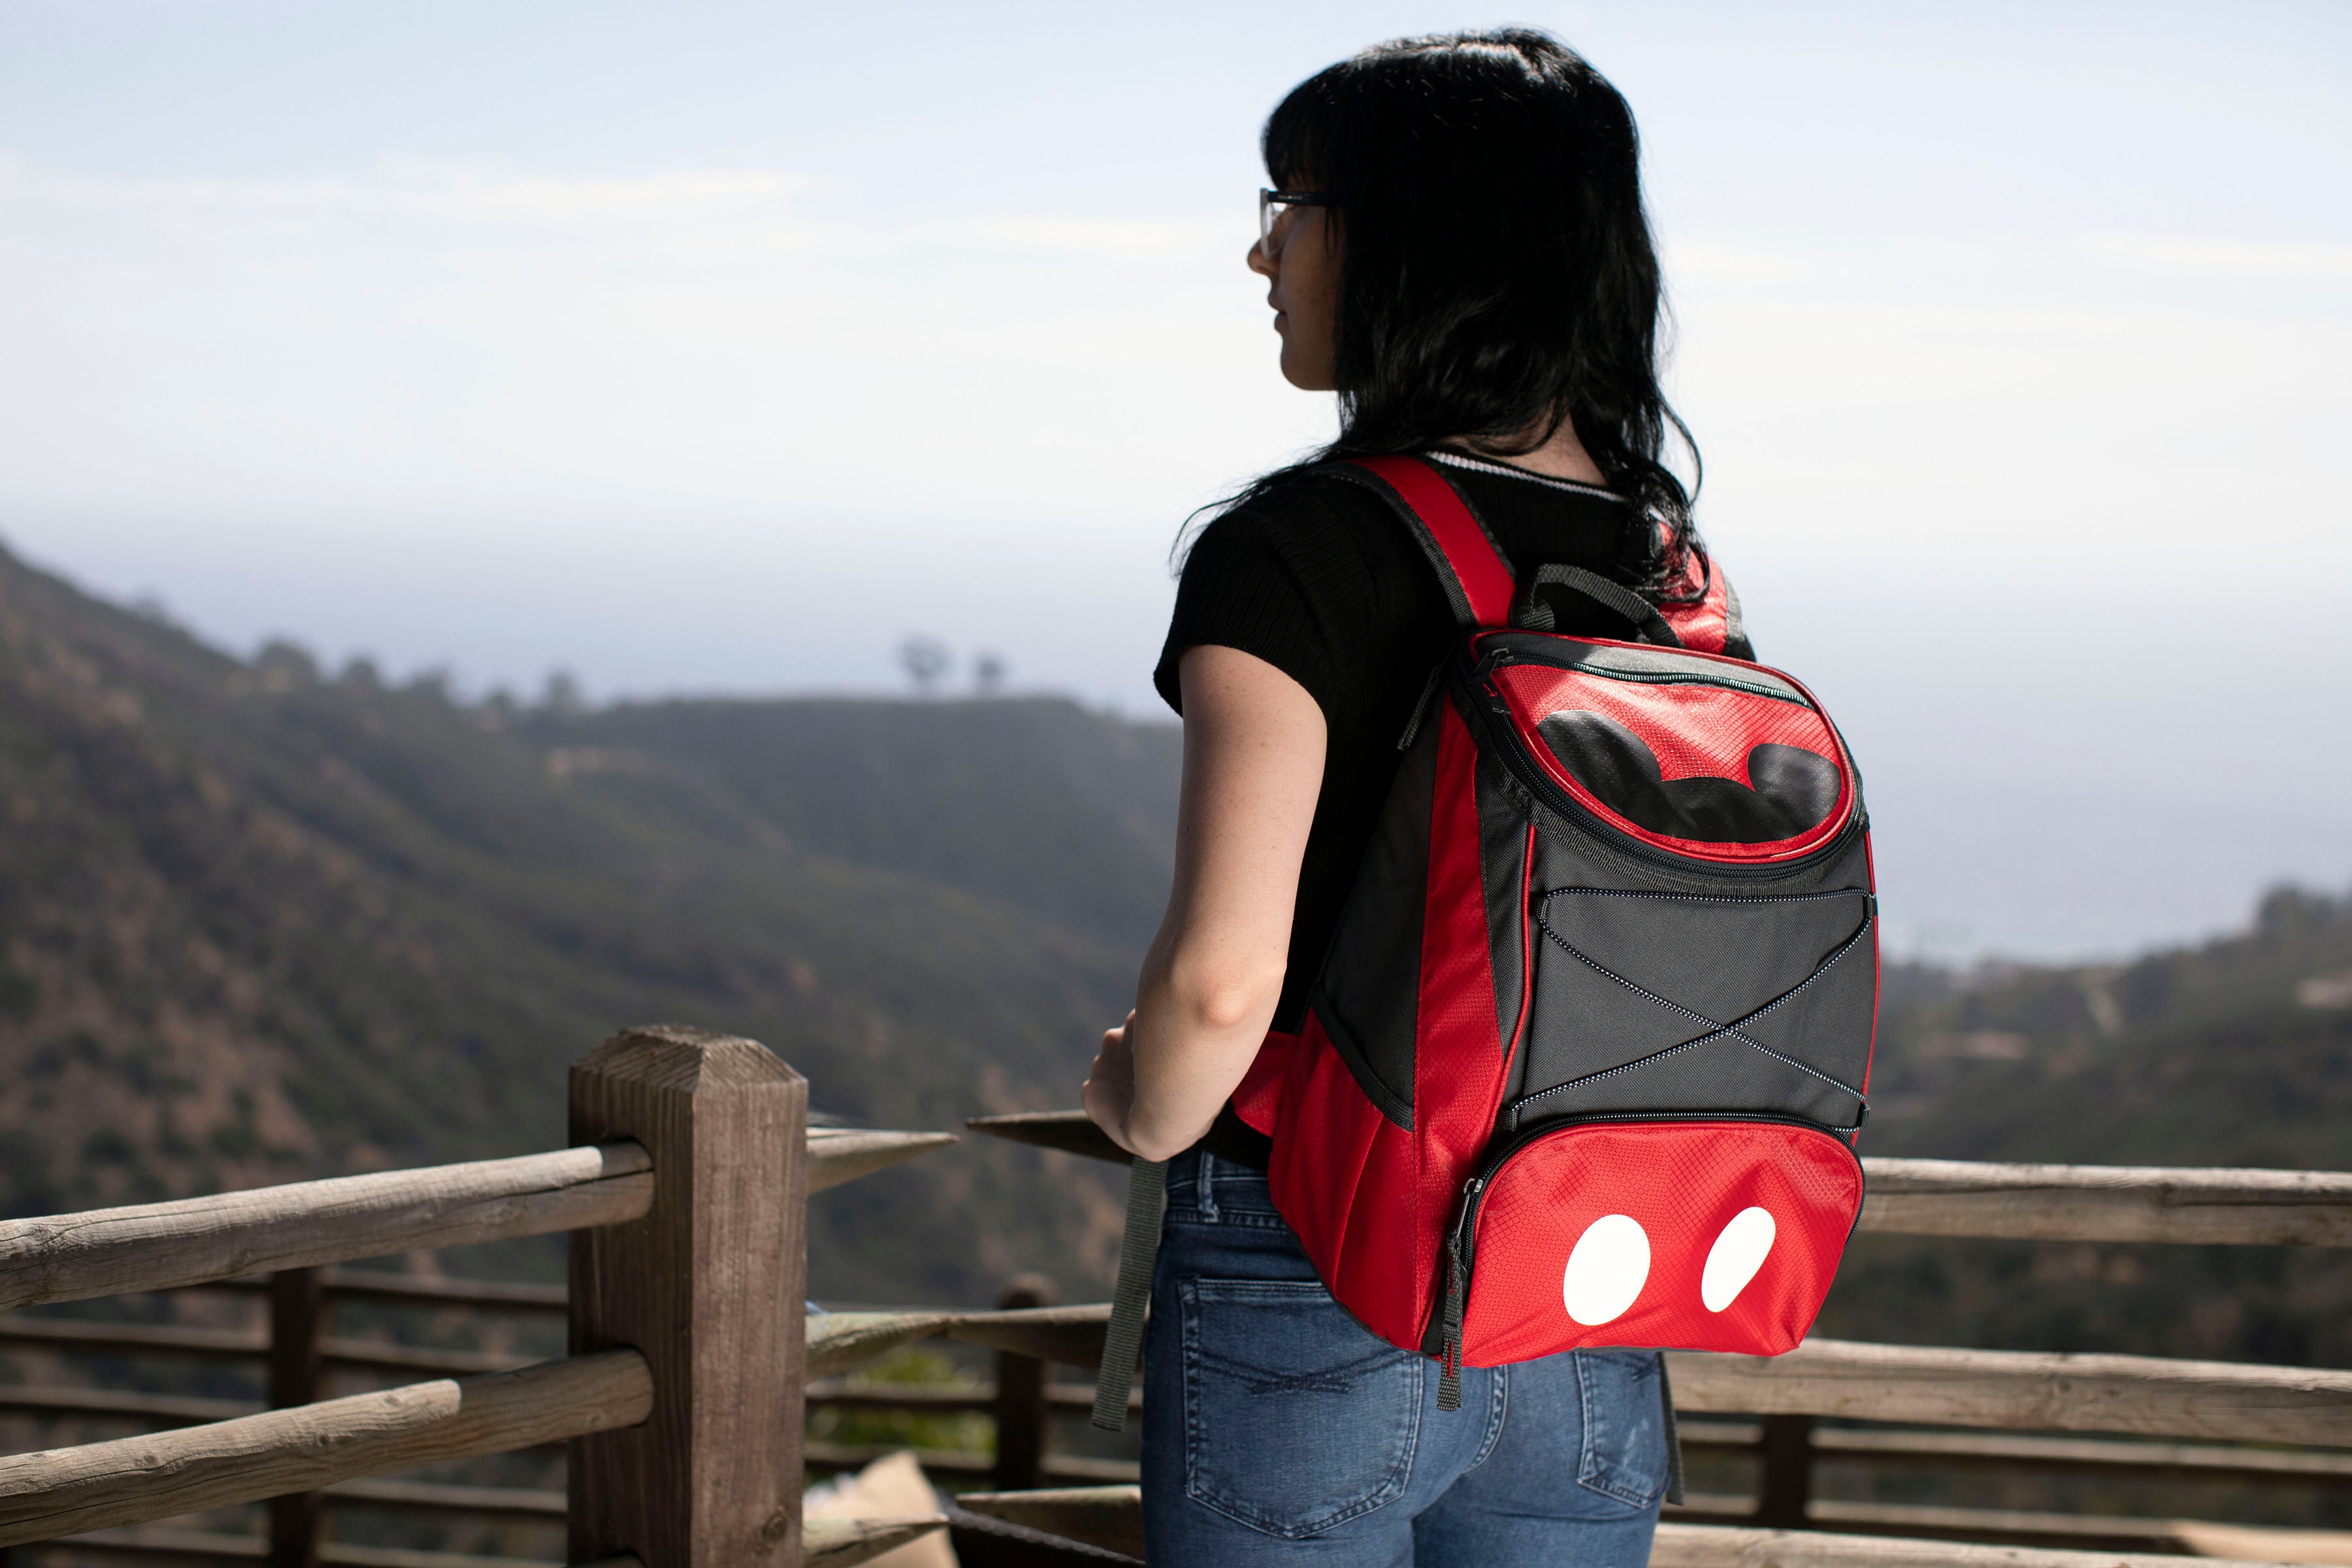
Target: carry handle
[1530, 614]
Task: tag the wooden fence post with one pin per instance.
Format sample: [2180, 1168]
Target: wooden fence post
[296, 1303]
[1788, 1472]
[709, 1287]
[1022, 1419]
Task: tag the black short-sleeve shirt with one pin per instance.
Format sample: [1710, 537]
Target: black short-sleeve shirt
[1320, 579]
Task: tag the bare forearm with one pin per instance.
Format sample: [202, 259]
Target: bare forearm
[1200, 1017]
[1253, 772]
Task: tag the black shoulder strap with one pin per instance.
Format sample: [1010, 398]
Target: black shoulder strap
[1476, 574]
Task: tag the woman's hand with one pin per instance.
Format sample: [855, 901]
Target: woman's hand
[1109, 1093]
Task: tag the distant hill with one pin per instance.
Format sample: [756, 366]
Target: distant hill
[256, 924]
[2237, 1052]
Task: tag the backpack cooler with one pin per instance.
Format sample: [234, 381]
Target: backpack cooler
[1587, 1056]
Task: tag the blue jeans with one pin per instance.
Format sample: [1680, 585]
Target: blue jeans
[1277, 1430]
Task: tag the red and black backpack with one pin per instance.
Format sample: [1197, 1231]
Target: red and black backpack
[1587, 1056]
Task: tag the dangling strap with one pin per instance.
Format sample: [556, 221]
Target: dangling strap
[1476, 574]
[1139, 1247]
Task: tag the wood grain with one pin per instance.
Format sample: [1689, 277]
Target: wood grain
[1071, 1131]
[844, 1543]
[2107, 1203]
[838, 1155]
[131, 1480]
[1110, 1517]
[2218, 1401]
[159, 1246]
[1732, 1546]
[708, 1284]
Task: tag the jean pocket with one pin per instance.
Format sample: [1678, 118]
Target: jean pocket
[1624, 1453]
[1295, 1419]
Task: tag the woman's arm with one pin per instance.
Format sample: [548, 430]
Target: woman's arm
[1253, 771]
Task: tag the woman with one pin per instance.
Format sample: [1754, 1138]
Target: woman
[1456, 246]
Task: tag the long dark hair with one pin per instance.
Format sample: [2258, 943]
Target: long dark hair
[1499, 275]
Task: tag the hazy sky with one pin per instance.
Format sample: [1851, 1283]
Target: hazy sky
[703, 346]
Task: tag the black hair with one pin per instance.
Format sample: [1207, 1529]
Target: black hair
[1500, 276]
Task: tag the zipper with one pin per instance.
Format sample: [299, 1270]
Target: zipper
[1461, 1237]
[1492, 711]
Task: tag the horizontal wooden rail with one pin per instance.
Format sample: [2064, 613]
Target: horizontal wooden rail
[1733, 1546]
[92, 1337]
[1111, 1517]
[843, 1542]
[114, 1404]
[2107, 1203]
[131, 1480]
[2177, 1461]
[440, 1290]
[158, 1247]
[436, 1497]
[1964, 1198]
[2220, 1401]
[96, 1336]
[153, 1544]
[964, 1463]
[1070, 1335]
[2016, 1390]
[838, 1155]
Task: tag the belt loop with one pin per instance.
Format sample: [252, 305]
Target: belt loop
[1206, 1194]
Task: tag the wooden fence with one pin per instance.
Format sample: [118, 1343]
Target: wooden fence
[691, 1365]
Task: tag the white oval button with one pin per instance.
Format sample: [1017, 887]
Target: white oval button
[1606, 1271]
[1735, 1257]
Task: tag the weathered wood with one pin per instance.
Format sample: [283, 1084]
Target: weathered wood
[383, 1355]
[297, 1307]
[154, 1409]
[1960, 1197]
[1023, 1424]
[839, 1340]
[964, 1463]
[2021, 1390]
[133, 1479]
[844, 1543]
[1788, 1482]
[1071, 1131]
[843, 1395]
[440, 1290]
[1733, 1546]
[2182, 1461]
[159, 1246]
[707, 1285]
[1070, 1336]
[436, 1497]
[838, 1155]
[1108, 1516]
[101, 1338]
[2107, 1203]
[164, 1544]
[2220, 1400]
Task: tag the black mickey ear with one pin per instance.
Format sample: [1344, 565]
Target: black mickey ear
[1795, 790]
[1795, 787]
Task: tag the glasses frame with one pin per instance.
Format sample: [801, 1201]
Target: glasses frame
[1269, 201]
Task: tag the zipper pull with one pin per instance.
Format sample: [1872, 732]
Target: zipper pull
[1449, 1372]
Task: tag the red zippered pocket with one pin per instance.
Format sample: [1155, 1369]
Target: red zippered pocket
[1714, 1233]
[1698, 755]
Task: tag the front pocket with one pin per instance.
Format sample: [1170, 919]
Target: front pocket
[1295, 1419]
[1705, 1234]
[1664, 1001]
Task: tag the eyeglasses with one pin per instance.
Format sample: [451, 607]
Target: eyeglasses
[1271, 205]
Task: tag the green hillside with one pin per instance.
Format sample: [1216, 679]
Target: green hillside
[255, 924]
[2238, 1052]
